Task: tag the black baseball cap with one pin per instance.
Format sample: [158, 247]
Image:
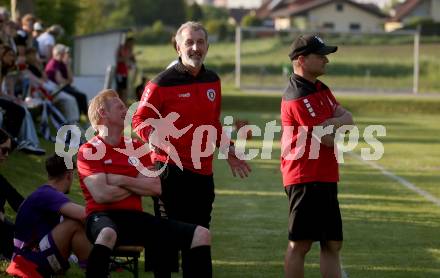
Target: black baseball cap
[307, 44]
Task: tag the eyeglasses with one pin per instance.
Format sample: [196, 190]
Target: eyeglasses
[5, 150]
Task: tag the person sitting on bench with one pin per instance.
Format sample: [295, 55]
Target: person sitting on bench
[112, 183]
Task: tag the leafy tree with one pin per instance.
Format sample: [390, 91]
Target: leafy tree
[211, 12]
[172, 12]
[250, 20]
[5, 3]
[91, 18]
[21, 7]
[144, 12]
[194, 12]
[100, 15]
[120, 16]
[60, 12]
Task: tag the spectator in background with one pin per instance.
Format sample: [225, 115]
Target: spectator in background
[4, 12]
[47, 41]
[27, 136]
[12, 113]
[58, 70]
[64, 102]
[7, 193]
[38, 30]
[24, 36]
[2, 27]
[125, 61]
[4, 18]
[10, 30]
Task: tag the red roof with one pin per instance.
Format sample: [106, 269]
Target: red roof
[404, 9]
[295, 7]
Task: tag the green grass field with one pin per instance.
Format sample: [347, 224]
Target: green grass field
[389, 230]
[352, 67]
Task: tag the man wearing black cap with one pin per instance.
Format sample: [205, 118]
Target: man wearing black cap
[308, 163]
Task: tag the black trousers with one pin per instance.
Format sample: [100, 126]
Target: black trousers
[80, 97]
[187, 197]
[13, 116]
[7, 237]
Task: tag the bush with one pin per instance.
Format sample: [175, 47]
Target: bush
[427, 25]
[250, 20]
[194, 12]
[219, 30]
[155, 34]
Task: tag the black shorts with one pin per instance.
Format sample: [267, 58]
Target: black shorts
[186, 196]
[140, 228]
[121, 82]
[314, 212]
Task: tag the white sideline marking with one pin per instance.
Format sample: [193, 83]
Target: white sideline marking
[400, 180]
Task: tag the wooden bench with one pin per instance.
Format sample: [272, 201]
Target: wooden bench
[127, 257]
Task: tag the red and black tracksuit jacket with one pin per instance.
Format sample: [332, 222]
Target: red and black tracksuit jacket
[305, 105]
[196, 100]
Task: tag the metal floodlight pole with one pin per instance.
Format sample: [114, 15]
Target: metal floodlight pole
[416, 61]
[238, 56]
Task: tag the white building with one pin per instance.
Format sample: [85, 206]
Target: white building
[325, 15]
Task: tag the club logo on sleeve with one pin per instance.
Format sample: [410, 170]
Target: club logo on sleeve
[309, 107]
[144, 98]
[211, 94]
[133, 160]
[147, 93]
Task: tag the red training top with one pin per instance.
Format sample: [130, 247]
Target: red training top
[112, 162]
[121, 66]
[306, 104]
[197, 102]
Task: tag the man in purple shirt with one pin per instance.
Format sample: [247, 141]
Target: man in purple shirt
[59, 71]
[49, 227]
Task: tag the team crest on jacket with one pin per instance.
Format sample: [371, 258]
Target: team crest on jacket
[211, 94]
[133, 161]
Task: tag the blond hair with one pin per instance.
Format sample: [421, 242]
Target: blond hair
[97, 103]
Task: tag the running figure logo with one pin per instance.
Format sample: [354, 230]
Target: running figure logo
[163, 129]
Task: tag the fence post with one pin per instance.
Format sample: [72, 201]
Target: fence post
[238, 56]
[416, 60]
[109, 74]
